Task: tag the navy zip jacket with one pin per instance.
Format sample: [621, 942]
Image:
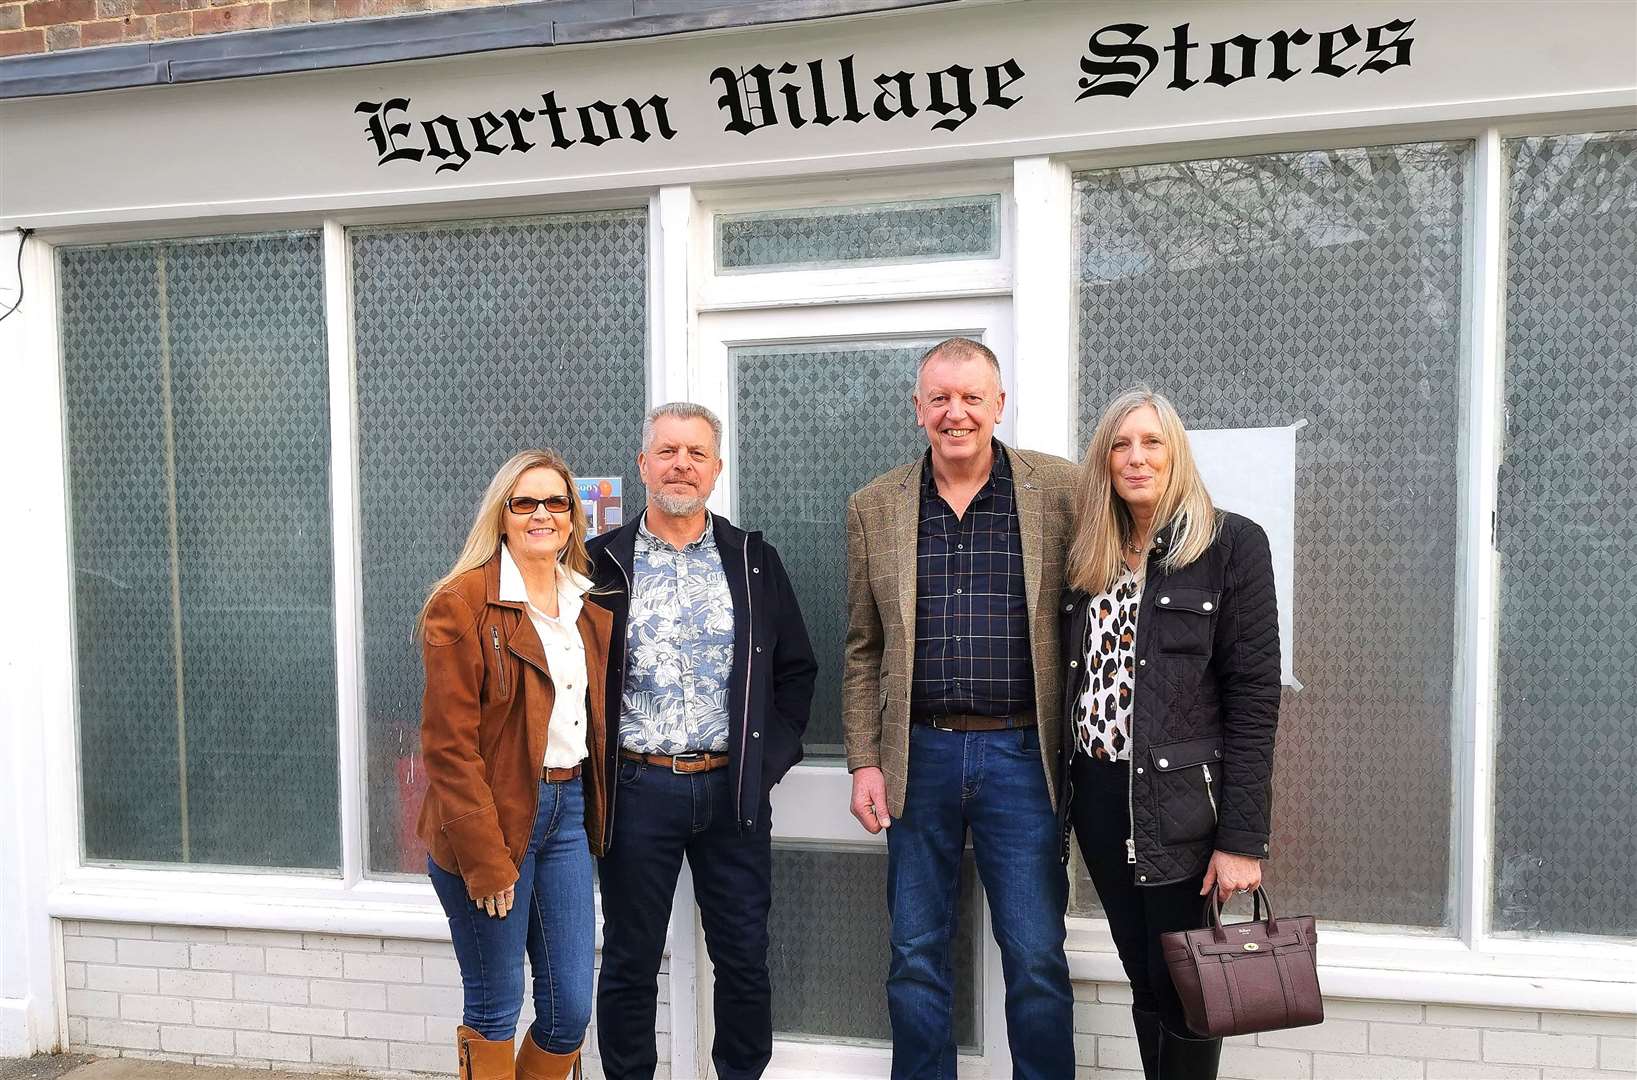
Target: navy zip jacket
[770, 696]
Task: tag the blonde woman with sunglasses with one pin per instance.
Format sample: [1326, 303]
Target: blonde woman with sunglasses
[513, 746]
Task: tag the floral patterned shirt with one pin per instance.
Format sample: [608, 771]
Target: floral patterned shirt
[679, 647]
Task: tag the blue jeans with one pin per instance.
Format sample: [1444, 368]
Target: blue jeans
[660, 818]
[552, 920]
[993, 783]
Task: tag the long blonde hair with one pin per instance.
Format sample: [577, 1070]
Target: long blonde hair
[483, 540]
[1103, 522]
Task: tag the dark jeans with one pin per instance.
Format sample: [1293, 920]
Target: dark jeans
[990, 782]
[660, 817]
[552, 919]
[1137, 914]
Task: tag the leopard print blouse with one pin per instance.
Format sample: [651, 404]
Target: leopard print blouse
[1102, 726]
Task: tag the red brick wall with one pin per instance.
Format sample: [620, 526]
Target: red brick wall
[35, 26]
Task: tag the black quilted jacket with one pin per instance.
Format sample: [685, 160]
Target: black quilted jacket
[1205, 708]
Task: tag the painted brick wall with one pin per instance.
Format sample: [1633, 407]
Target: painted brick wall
[311, 1000]
[270, 999]
[36, 26]
[1380, 1040]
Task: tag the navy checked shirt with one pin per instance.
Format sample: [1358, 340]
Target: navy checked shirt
[971, 618]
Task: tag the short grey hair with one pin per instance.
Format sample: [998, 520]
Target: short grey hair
[958, 348]
[681, 410]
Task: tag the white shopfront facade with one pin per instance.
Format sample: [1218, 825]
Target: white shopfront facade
[276, 331]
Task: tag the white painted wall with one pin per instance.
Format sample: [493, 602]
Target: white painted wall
[31, 546]
[294, 143]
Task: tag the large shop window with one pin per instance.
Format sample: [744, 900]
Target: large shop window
[1326, 287]
[197, 414]
[474, 341]
[792, 485]
[1565, 809]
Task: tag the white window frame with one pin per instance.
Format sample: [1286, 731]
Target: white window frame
[868, 283]
[1468, 965]
[1465, 963]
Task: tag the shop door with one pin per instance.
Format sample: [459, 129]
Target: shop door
[816, 402]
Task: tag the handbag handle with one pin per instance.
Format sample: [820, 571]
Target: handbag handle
[1213, 914]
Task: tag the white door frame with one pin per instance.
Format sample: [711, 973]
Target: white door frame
[811, 804]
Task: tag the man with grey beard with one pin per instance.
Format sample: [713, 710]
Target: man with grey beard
[711, 676]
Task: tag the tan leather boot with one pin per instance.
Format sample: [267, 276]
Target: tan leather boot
[480, 1058]
[534, 1063]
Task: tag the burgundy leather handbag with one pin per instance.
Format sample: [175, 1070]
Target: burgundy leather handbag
[1260, 975]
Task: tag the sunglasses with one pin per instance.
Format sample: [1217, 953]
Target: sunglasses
[523, 505]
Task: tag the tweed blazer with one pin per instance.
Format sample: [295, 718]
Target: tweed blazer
[882, 525]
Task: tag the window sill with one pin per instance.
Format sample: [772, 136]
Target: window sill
[1555, 975]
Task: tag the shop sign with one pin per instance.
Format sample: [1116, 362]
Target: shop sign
[823, 92]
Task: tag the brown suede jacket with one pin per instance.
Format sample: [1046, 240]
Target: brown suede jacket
[483, 728]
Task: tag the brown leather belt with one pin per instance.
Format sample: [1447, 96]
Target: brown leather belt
[973, 722]
[559, 776]
[695, 761]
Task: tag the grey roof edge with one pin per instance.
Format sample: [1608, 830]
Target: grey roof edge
[420, 36]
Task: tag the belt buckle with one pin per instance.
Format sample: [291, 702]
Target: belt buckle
[933, 722]
[690, 756]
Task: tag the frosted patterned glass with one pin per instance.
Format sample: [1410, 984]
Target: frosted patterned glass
[1565, 798]
[794, 486]
[828, 236]
[474, 341]
[196, 404]
[829, 946]
[1323, 286]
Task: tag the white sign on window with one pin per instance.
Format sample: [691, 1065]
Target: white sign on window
[1252, 471]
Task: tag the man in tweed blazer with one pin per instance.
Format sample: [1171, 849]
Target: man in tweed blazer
[950, 707]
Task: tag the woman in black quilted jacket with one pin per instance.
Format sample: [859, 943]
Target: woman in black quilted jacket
[1171, 643]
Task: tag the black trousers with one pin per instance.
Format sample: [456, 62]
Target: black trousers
[659, 818]
[1137, 914]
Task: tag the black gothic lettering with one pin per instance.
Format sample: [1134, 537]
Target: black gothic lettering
[588, 125]
[849, 91]
[611, 121]
[1247, 46]
[962, 78]
[792, 97]
[515, 119]
[821, 110]
[555, 113]
[1328, 51]
[992, 74]
[662, 121]
[823, 91]
[1399, 45]
[1117, 61]
[1282, 41]
[383, 133]
[900, 104]
[1121, 67]
[1179, 48]
[482, 127]
[455, 155]
[743, 102]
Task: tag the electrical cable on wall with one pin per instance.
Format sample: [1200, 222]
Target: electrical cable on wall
[22, 241]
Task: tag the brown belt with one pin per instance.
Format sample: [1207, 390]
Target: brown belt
[559, 776]
[973, 722]
[695, 761]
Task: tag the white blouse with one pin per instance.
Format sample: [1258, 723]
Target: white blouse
[565, 656]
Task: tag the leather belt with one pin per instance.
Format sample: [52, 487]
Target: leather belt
[973, 722]
[559, 776]
[694, 761]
